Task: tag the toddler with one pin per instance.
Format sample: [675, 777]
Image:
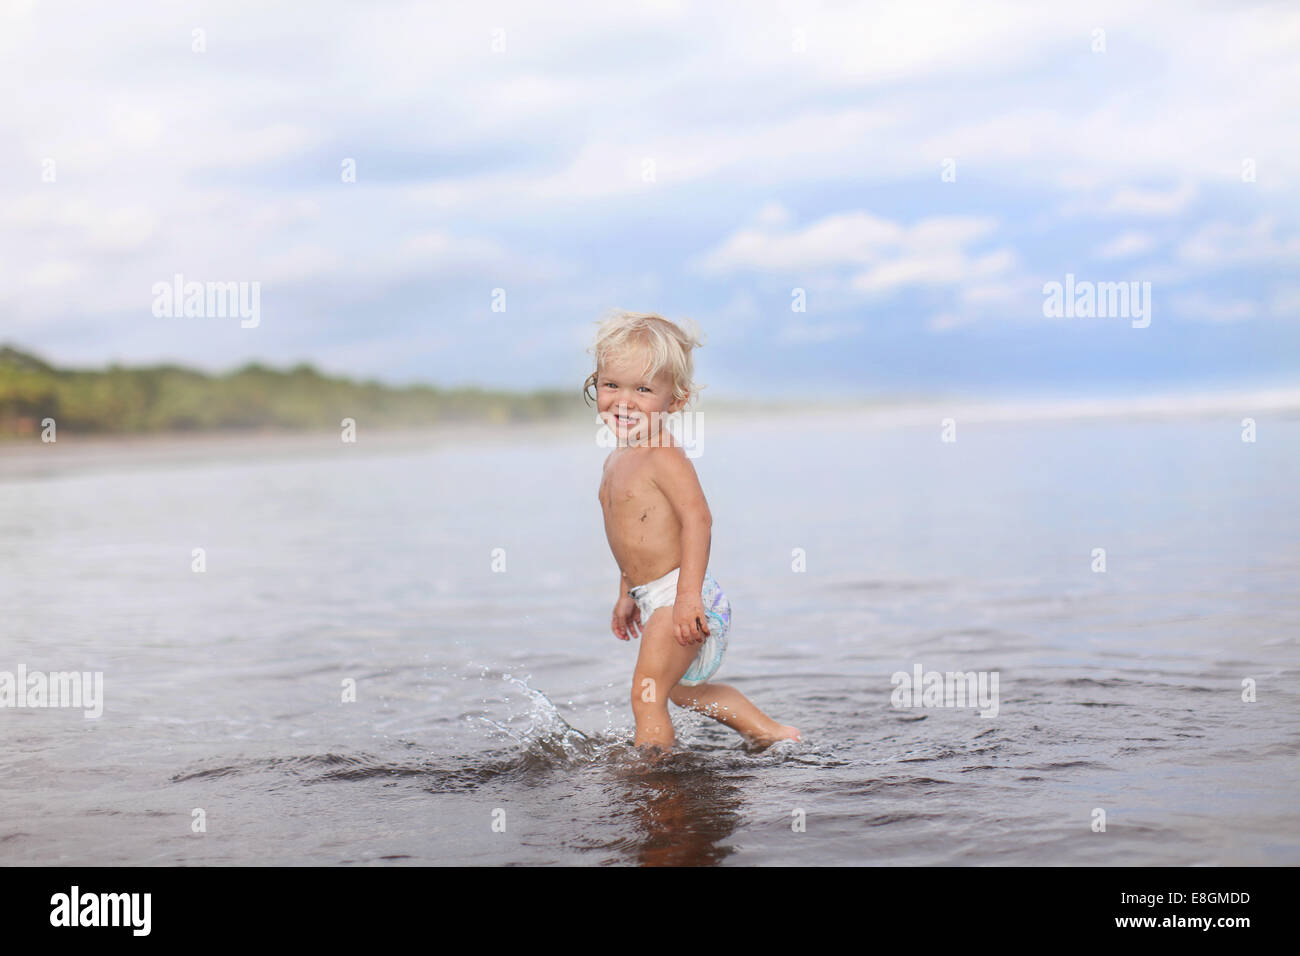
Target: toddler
[659, 529]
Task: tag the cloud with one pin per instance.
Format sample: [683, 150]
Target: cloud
[849, 238]
[1125, 246]
[947, 321]
[799, 142]
[836, 240]
[933, 268]
[931, 251]
[1222, 244]
[773, 214]
[1099, 199]
[1150, 202]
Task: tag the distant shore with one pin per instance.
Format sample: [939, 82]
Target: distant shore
[169, 413]
[172, 398]
[29, 457]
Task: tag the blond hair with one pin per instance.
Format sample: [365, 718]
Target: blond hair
[664, 343]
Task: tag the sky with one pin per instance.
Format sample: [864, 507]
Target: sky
[847, 198]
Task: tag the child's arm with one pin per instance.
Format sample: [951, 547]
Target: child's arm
[675, 476]
[626, 622]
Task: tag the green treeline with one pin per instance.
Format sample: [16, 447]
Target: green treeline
[172, 398]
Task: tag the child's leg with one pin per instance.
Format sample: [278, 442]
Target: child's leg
[724, 703]
[660, 664]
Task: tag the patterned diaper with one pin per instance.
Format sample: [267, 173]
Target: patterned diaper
[662, 592]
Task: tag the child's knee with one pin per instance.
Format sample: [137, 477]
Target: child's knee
[684, 696]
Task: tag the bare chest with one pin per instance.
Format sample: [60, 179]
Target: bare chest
[628, 495]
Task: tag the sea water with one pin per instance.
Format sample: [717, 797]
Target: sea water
[399, 653]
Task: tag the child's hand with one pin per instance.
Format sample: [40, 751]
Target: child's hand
[627, 618]
[690, 623]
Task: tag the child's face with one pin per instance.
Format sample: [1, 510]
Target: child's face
[628, 402]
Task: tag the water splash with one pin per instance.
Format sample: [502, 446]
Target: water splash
[546, 734]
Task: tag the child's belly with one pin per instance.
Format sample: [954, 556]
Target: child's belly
[646, 542]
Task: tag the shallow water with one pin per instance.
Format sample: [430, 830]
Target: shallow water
[485, 696]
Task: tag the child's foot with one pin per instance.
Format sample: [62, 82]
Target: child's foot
[652, 753]
[769, 737]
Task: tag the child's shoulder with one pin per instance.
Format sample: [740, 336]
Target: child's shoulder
[668, 448]
[668, 457]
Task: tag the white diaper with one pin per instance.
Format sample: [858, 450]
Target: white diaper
[662, 592]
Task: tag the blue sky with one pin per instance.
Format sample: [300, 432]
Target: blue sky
[700, 160]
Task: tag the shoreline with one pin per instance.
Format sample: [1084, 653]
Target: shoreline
[29, 457]
[76, 453]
